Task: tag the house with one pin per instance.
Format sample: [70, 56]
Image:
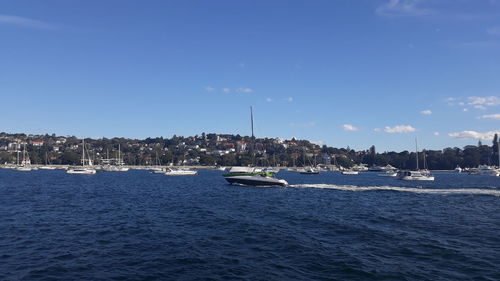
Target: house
[37, 143]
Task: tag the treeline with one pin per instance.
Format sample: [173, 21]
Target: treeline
[199, 150]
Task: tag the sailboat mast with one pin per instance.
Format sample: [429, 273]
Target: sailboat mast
[83, 152]
[253, 137]
[416, 151]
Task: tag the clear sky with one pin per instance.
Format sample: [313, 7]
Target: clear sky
[339, 72]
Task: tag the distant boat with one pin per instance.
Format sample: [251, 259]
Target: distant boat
[359, 168]
[180, 172]
[25, 165]
[417, 175]
[118, 166]
[458, 169]
[85, 169]
[488, 171]
[309, 171]
[349, 172]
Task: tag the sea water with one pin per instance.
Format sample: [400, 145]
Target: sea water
[141, 226]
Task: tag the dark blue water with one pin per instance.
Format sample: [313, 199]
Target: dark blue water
[142, 226]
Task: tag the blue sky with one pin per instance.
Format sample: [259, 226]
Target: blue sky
[338, 72]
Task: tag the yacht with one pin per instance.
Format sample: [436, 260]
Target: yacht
[252, 176]
[84, 169]
[486, 170]
[25, 165]
[359, 168]
[309, 171]
[349, 172]
[117, 165]
[458, 169]
[180, 172]
[417, 175]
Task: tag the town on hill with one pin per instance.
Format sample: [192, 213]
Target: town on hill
[230, 150]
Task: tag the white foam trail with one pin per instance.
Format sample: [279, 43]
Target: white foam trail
[473, 191]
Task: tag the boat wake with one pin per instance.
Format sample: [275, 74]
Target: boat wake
[471, 191]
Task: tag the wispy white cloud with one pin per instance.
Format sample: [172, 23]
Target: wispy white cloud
[209, 89]
[402, 8]
[485, 101]
[289, 99]
[26, 22]
[401, 129]
[436, 133]
[474, 135]
[303, 125]
[226, 90]
[426, 112]
[377, 130]
[349, 127]
[491, 116]
[481, 107]
[494, 30]
[269, 99]
[244, 90]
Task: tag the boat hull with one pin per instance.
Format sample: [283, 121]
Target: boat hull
[410, 178]
[81, 172]
[256, 181]
[181, 173]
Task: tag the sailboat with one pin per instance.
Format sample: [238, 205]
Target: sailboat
[85, 169]
[308, 170]
[417, 175]
[250, 175]
[118, 166]
[25, 165]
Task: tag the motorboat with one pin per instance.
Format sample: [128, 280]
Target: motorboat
[81, 171]
[253, 177]
[349, 172]
[180, 172]
[309, 171]
[359, 168]
[458, 169]
[486, 170]
[415, 176]
[47, 168]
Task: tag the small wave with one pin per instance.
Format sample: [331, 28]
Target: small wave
[472, 191]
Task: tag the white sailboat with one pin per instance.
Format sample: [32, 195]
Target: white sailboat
[25, 165]
[85, 169]
[417, 175]
[119, 166]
